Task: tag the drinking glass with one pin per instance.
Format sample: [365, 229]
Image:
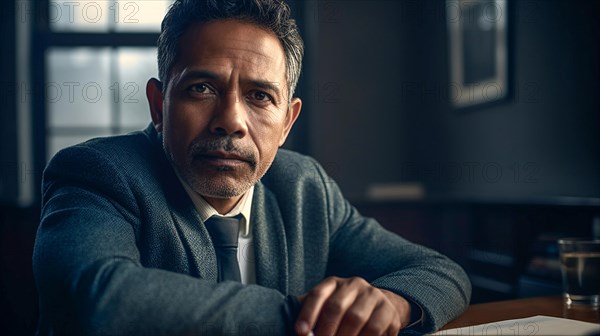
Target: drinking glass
[580, 268]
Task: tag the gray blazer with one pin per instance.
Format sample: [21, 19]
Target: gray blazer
[121, 250]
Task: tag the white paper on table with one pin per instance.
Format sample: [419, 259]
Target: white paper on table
[536, 325]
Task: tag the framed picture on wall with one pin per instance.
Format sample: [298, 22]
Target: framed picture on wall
[478, 55]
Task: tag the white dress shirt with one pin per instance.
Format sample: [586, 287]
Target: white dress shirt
[245, 253]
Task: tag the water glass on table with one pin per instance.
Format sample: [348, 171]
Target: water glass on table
[580, 268]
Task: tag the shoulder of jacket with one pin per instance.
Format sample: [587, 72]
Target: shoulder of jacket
[290, 166]
[118, 149]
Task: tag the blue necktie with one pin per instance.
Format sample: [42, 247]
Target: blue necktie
[224, 234]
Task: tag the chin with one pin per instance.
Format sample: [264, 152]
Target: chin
[220, 187]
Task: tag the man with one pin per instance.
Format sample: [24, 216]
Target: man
[127, 241]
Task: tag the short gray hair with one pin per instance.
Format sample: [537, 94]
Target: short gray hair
[273, 15]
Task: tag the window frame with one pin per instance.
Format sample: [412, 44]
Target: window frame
[45, 38]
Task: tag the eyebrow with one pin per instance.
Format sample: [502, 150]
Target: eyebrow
[272, 86]
[198, 74]
[265, 85]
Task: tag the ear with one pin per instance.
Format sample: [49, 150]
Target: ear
[290, 119]
[155, 100]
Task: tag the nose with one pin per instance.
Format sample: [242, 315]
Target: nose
[229, 117]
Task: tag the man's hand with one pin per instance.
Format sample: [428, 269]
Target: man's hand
[351, 306]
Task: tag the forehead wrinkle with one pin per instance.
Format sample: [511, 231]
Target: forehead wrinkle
[230, 60]
[254, 69]
[255, 58]
[249, 49]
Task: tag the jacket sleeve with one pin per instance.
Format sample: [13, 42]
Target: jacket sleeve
[362, 247]
[89, 276]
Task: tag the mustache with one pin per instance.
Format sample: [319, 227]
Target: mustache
[200, 147]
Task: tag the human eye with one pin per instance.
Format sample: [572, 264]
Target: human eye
[201, 88]
[261, 97]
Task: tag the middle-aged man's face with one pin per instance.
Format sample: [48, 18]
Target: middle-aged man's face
[225, 110]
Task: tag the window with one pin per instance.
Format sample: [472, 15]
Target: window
[97, 58]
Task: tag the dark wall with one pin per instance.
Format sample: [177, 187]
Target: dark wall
[17, 226]
[18, 301]
[8, 117]
[386, 116]
[361, 56]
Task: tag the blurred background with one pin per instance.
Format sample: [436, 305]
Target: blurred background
[472, 127]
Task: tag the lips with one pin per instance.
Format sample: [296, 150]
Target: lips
[222, 161]
[217, 155]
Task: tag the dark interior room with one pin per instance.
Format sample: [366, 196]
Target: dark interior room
[398, 107]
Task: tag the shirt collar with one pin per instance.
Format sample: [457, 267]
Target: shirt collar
[205, 210]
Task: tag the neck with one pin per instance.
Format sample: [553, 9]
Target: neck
[222, 205]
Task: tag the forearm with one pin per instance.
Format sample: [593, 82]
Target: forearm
[439, 288]
[121, 298]
[422, 276]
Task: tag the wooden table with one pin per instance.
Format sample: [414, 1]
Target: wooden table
[514, 309]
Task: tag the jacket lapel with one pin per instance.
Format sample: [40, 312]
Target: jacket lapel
[201, 260]
[270, 249]
[194, 236]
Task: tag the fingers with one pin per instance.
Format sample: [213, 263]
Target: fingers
[344, 304]
[312, 304]
[339, 306]
[358, 315]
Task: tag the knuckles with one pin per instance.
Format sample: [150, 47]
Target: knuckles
[358, 281]
[333, 308]
[355, 318]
